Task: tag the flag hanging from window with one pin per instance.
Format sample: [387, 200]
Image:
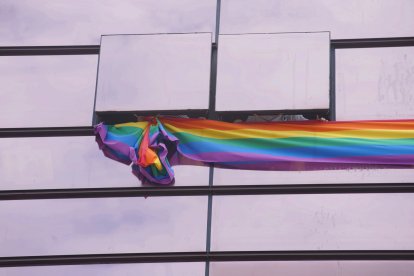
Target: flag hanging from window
[154, 146]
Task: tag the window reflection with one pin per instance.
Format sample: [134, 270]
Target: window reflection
[109, 225]
[375, 83]
[157, 269]
[313, 222]
[154, 72]
[345, 19]
[60, 22]
[247, 177]
[47, 91]
[273, 71]
[314, 268]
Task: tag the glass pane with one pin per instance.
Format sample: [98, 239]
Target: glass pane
[72, 162]
[106, 225]
[314, 268]
[375, 83]
[273, 71]
[247, 177]
[47, 91]
[345, 19]
[161, 269]
[60, 22]
[313, 222]
[154, 72]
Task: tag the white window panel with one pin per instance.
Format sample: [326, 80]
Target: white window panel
[104, 225]
[61, 22]
[375, 83]
[313, 222]
[248, 177]
[345, 19]
[314, 268]
[47, 91]
[153, 269]
[273, 71]
[154, 72]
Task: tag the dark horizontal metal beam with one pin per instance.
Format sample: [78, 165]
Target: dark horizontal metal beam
[94, 49]
[223, 256]
[46, 132]
[116, 117]
[102, 259]
[277, 111]
[50, 50]
[207, 190]
[372, 42]
[103, 192]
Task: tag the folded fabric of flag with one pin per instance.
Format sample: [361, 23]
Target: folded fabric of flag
[155, 145]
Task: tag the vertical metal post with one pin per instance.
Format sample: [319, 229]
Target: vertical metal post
[209, 218]
[332, 88]
[212, 115]
[213, 79]
[213, 72]
[218, 11]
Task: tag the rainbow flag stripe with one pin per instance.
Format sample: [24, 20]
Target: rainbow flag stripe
[154, 146]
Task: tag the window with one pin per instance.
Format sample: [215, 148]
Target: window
[313, 222]
[63, 23]
[375, 83]
[316, 268]
[108, 225]
[273, 71]
[45, 91]
[344, 19]
[163, 269]
[154, 72]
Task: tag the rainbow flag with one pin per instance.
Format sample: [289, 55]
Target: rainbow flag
[154, 146]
